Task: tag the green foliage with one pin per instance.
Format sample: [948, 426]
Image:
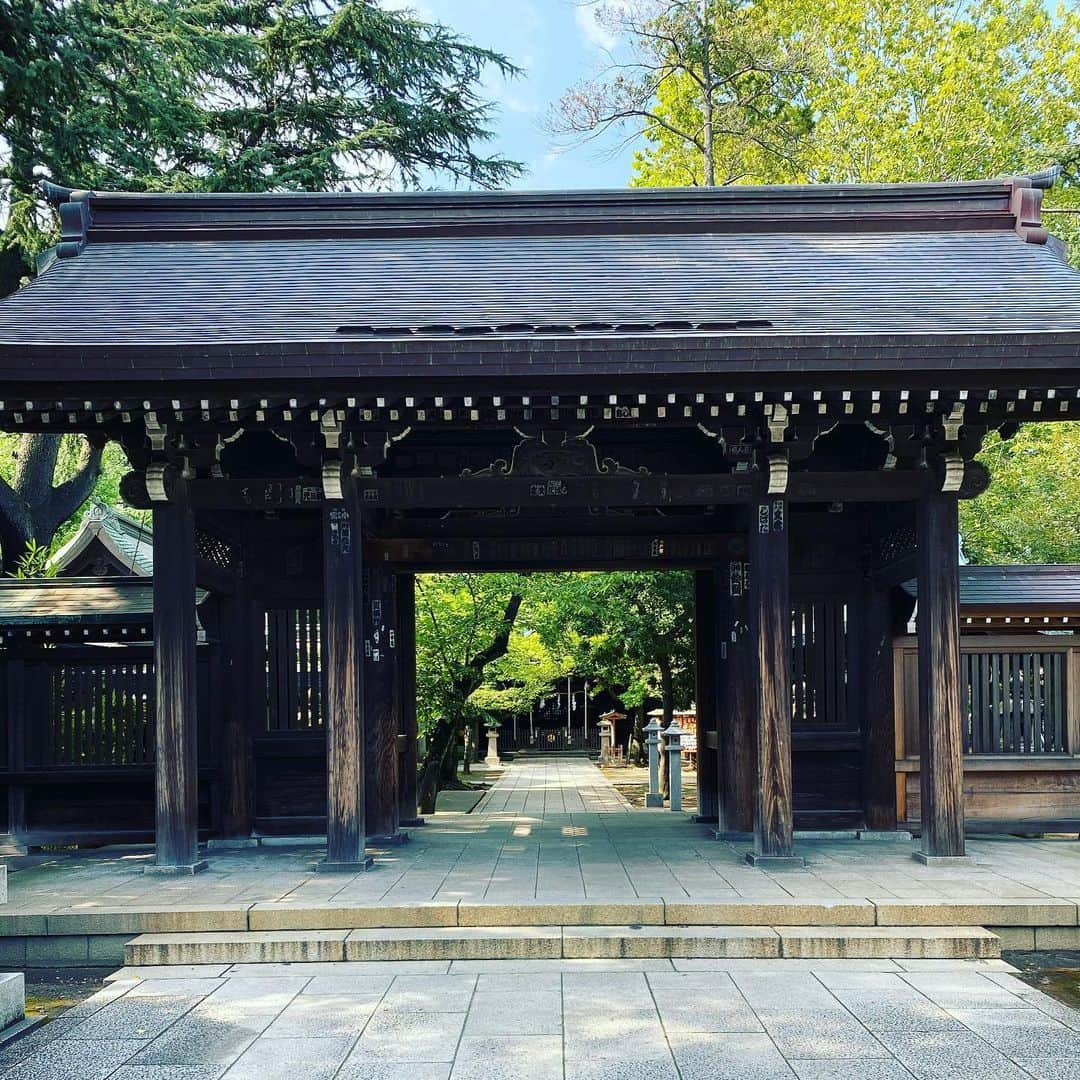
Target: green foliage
[34, 563]
[219, 95]
[901, 90]
[460, 619]
[1031, 511]
[114, 464]
[529, 671]
[629, 632]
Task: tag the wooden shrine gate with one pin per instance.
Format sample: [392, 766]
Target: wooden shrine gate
[505, 381]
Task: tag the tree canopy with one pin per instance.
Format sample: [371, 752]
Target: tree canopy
[213, 95]
[233, 95]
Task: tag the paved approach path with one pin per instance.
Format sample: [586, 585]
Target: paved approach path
[538, 786]
[561, 1020]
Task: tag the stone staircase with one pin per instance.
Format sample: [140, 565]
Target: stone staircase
[564, 938]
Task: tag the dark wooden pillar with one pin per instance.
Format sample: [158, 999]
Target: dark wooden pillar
[771, 611]
[380, 712]
[737, 697]
[176, 749]
[343, 651]
[17, 700]
[244, 678]
[405, 647]
[941, 771]
[875, 650]
[705, 675]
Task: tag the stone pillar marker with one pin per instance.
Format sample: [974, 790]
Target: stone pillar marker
[493, 745]
[607, 730]
[653, 797]
[673, 739]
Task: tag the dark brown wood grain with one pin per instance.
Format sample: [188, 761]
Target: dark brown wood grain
[771, 615]
[940, 741]
[343, 651]
[380, 689]
[406, 695]
[737, 697]
[174, 665]
[706, 685]
[878, 719]
[244, 678]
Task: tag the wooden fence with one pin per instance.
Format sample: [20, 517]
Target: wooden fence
[1020, 709]
[77, 734]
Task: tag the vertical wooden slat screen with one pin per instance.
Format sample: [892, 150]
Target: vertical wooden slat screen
[97, 713]
[819, 668]
[1015, 701]
[293, 671]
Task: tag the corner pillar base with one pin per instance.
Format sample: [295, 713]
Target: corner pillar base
[178, 870]
[325, 866]
[775, 862]
[654, 801]
[943, 860]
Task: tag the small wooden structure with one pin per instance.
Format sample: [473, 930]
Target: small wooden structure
[1019, 699]
[781, 389]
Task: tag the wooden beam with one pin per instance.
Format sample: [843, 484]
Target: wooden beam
[737, 698]
[342, 647]
[655, 548]
[406, 700]
[940, 748]
[379, 698]
[770, 592]
[705, 677]
[176, 746]
[559, 492]
[875, 652]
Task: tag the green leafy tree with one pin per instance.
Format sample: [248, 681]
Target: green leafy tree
[899, 91]
[464, 622]
[1031, 511]
[707, 79]
[629, 632]
[214, 95]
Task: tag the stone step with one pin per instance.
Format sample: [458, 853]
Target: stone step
[564, 942]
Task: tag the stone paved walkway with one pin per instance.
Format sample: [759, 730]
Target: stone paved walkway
[539, 786]
[561, 1020]
[550, 855]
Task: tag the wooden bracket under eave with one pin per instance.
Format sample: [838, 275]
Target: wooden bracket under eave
[1026, 208]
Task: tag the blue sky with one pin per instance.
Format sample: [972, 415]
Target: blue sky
[557, 43]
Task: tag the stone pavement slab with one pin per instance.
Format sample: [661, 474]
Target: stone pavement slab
[553, 843]
[812, 1019]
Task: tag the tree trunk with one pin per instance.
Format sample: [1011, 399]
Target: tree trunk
[636, 750]
[31, 508]
[439, 766]
[439, 745]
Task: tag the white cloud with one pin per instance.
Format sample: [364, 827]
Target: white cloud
[592, 33]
